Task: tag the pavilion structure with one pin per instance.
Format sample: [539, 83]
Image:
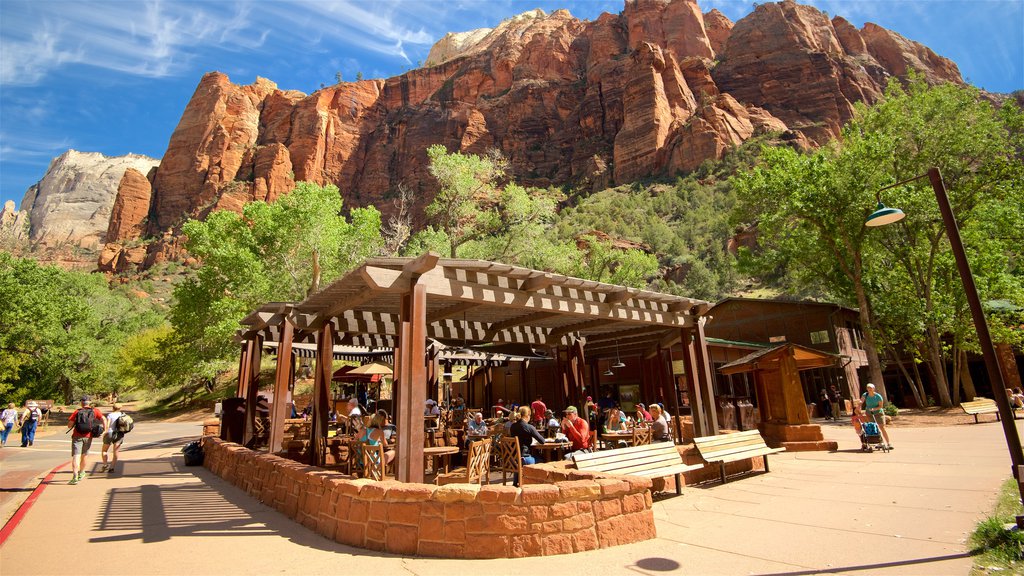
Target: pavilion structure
[400, 305]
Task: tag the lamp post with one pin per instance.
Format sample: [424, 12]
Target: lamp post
[882, 216]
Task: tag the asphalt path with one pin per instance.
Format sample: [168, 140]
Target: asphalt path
[22, 469]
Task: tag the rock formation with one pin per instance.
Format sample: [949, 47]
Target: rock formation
[72, 204]
[652, 91]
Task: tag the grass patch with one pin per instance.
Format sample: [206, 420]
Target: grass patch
[997, 549]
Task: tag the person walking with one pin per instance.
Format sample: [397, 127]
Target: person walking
[826, 404]
[7, 419]
[112, 439]
[873, 406]
[85, 424]
[29, 421]
[837, 402]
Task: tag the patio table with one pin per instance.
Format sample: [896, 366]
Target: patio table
[551, 446]
[432, 452]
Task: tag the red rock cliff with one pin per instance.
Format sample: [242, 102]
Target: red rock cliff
[659, 88]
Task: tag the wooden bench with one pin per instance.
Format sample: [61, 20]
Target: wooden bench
[657, 460]
[724, 448]
[980, 406]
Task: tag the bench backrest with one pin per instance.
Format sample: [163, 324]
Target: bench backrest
[630, 460]
[727, 445]
[979, 404]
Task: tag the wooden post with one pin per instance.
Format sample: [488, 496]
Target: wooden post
[321, 395]
[243, 368]
[252, 388]
[694, 391]
[282, 379]
[706, 378]
[412, 382]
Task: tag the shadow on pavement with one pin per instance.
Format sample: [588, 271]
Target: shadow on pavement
[167, 443]
[870, 567]
[156, 513]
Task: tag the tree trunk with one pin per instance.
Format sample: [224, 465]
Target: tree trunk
[937, 366]
[874, 364]
[921, 403]
[920, 382]
[314, 285]
[965, 376]
[954, 395]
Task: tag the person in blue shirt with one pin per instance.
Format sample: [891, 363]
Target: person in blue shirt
[873, 406]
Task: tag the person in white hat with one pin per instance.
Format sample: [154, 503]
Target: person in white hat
[431, 408]
[29, 421]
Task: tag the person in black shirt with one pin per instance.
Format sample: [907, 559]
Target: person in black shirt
[526, 433]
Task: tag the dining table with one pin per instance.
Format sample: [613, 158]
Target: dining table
[614, 438]
[556, 448]
[431, 453]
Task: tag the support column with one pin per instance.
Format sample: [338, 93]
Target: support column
[252, 388]
[412, 383]
[694, 392]
[705, 377]
[321, 395]
[282, 380]
[243, 368]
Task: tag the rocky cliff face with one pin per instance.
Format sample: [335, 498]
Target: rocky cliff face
[72, 204]
[654, 90]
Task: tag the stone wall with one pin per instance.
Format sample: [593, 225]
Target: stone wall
[577, 513]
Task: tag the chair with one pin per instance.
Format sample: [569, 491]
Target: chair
[355, 457]
[641, 436]
[476, 470]
[373, 462]
[510, 458]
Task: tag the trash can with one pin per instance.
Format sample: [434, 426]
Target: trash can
[232, 420]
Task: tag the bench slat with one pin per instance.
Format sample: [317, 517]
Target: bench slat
[633, 465]
[660, 472]
[730, 450]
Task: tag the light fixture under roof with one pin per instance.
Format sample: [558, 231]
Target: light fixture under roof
[618, 359]
[609, 372]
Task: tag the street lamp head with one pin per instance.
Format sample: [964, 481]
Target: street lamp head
[884, 215]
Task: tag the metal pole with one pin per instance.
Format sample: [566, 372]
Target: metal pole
[984, 338]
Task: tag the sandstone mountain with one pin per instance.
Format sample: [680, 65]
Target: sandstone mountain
[72, 204]
[657, 89]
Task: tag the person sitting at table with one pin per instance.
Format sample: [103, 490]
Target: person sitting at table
[431, 408]
[459, 403]
[659, 425]
[642, 415]
[615, 421]
[355, 416]
[476, 428]
[526, 433]
[576, 430]
[552, 424]
[374, 435]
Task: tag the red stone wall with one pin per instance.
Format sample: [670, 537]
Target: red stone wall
[576, 513]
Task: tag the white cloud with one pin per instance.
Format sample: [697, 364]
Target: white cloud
[32, 150]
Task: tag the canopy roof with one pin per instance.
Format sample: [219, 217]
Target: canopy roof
[473, 302]
[770, 358]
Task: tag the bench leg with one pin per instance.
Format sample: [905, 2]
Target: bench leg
[997, 417]
[679, 484]
[722, 471]
[975, 418]
[766, 463]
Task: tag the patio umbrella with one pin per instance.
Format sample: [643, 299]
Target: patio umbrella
[372, 368]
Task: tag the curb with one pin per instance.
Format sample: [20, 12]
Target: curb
[22, 510]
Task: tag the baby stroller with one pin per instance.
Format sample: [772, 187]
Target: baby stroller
[871, 435]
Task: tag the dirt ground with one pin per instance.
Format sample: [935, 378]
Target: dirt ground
[917, 418]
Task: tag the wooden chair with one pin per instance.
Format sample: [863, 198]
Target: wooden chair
[373, 462]
[641, 436]
[354, 463]
[476, 469]
[510, 458]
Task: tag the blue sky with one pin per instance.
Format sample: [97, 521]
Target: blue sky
[115, 76]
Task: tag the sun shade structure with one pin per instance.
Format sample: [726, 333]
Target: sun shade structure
[470, 306]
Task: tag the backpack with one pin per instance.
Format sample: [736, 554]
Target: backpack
[33, 414]
[85, 421]
[193, 452]
[124, 424]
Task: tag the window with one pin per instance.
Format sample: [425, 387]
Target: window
[819, 337]
[776, 338]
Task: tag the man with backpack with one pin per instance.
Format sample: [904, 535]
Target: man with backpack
[85, 424]
[118, 424]
[29, 421]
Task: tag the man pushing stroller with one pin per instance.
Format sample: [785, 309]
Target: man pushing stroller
[872, 407]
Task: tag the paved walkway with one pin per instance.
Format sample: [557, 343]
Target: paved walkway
[905, 512]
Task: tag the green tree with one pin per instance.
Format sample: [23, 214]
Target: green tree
[810, 210]
[60, 330]
[280, 251]
[463, 206]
